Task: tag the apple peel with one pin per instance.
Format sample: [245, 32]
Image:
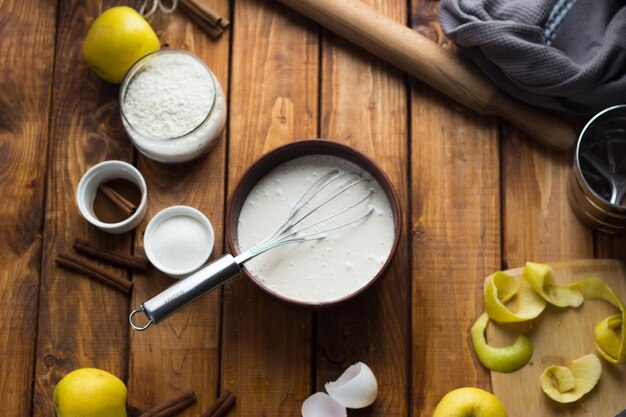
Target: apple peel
[610, 346]
[537, 288]
[501, 289]
[608, 343]
[569, 384]
[541, 278]
[500, 359]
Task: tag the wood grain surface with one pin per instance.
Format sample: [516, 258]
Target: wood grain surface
[560, 335]
[184, 351]
[266, 346]
[538, 223]
[477, 195]
[82, 323]
[455, 233]
[26, 85]
[364, 105]
[435, 66]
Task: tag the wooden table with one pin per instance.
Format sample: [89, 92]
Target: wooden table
[477, 196]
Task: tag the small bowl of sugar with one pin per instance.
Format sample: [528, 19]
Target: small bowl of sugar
[179, 240]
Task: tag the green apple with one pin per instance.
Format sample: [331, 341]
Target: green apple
[469, 402]
[90, 392]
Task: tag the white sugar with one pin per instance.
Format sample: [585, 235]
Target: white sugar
[180, 243]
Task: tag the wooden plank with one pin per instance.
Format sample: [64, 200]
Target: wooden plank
[608, 246]
[184, 350]
[27, 41]
[81, 323]
[364, 104]
[266, 349]
[538, 222]
[455, 229]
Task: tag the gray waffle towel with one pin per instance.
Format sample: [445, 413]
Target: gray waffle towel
[568, 55]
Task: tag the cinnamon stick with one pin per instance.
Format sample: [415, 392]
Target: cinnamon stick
[204, 8]
[94, 271]
[172, 406]
[222, 406]
[202, 13]
[131, 261]
[209, 29]
[118, 199]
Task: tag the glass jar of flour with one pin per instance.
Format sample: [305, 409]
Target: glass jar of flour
[172, 106]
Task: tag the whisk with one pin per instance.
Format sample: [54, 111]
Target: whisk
[293, 229]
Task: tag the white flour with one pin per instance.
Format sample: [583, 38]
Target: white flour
[169, 96]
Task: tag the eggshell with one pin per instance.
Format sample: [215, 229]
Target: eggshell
[321, 405]
[355, 388]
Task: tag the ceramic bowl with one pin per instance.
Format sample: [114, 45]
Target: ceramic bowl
[157, 221]
[104, 172]
[295, 150]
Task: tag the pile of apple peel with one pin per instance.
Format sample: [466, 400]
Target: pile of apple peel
[533, 292]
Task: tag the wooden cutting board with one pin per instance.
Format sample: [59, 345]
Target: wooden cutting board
[558, 336]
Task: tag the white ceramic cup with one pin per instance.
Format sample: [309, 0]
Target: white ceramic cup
[155, 223]
[104, 172]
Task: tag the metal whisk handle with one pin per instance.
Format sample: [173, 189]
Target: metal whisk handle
[187, 290]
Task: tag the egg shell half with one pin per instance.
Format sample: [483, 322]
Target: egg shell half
[322, 405]
[355, 388]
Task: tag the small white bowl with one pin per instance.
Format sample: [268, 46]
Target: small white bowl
[152, 233]
[104, 172]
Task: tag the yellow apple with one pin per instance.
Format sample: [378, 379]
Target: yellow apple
[469, 402]
[90, 392]
[116, 40]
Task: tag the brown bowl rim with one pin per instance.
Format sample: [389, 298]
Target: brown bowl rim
[276, 156]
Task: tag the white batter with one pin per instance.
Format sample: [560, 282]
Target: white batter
[323, 270]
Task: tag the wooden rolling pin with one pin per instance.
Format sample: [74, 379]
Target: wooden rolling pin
[434, 65]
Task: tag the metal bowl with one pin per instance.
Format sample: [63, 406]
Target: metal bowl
[296, 150]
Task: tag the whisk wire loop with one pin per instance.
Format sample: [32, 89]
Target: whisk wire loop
[288, 232]
[335, 214]
[328, 200]
[324, 181]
